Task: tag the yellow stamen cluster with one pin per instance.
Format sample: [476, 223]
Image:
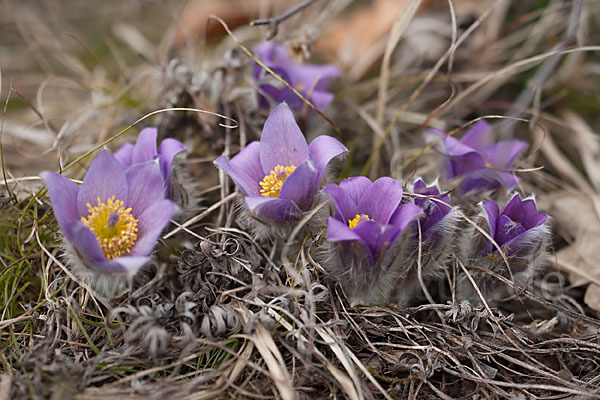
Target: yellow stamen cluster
[356, 220]
[113, 225]
[272, 183]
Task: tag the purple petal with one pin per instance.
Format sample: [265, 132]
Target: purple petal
[479, 136]
[524, 211]
[63, 195]
[244, 169]
[321, 100]
[271, 54]
[353, 246]
[168, 149]
[503, 154]
[126, 264]
[300, 187]
[355, 187]
[315, 77]
[338, 231]
[381, 199]
[89, 252]
[483, 180]
[370, 232]
[507, 229]
[145, 146]
[508, 179]
[404, 215]
[493, 212]
[151, 223]
[323, 149]
[282, 142]
[105, 178]
[145, 187]
[346, 208]
[87, 247]
[123, 155]
[272, 209]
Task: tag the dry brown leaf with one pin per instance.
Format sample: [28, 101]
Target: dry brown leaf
[357, 40]
[576, 218]
[193, 24]
[592, 297]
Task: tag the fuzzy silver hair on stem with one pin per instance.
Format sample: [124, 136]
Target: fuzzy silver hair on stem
[514, 247]
[429, 247]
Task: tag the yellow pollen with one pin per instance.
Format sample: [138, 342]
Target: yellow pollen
[488, 164]
[113, 225]
[300, 86]
[272, 183]
[356, 220]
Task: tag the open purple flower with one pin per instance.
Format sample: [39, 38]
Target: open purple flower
[516, 229]
[112, 221]
[279, 176]
[310, 80]
[482, 163]
[367, 228]
[145, 150]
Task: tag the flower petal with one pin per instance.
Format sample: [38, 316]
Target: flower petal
[315, 77]
[272, 209]
[337, 231]
[524, 211]
[244, 169]
[479, 136]
[282, 142]
[86, 246]
[355, 187]
[300, 187]
[145, 146]
[272, 54]
[105, 178]
[493, 213]
[404, 215]
[123, 155]
[503, 154]
[168, 149]
[346, 208]
[89, 252]
[145, 187]
[507, 229]
[381, 199]
[151, 223]
[323, 149]
[126, 264]
[63, 195]
[370, 232]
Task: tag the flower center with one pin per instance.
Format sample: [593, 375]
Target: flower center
[272, 183]
[357, 220]
[113, 225]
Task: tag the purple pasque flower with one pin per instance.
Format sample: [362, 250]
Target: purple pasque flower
[481, 162]
[435, 208]
[112, 221]
[520, 231]
[308, 79]
[145, 150]
[365, 233]
[279, 176]
[516, 229]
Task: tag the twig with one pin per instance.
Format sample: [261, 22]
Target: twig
[275, 21]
